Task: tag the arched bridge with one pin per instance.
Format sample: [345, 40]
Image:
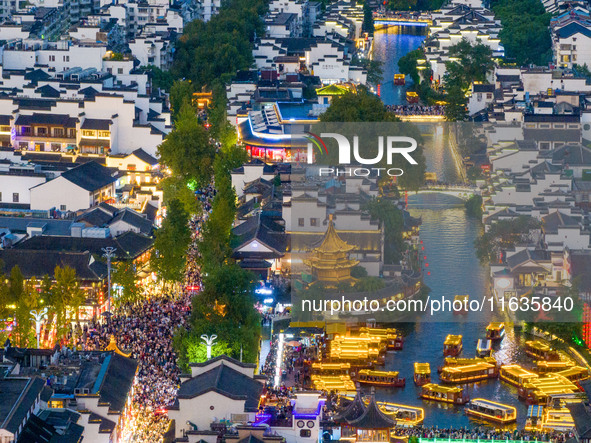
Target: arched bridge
[463, 191]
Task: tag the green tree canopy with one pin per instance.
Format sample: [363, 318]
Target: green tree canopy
[188, 150]
[171, 243]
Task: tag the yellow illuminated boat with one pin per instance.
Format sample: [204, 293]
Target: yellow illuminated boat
[452, 345]
[491, 411]
[446, 394]
[399, 79]
[575, 374]
[516, 375]
[380, 378]
[459, 361]
[546, 419]
[542, 389]
[412, 97]
[541, 351]
[422, 374]
[331, 368]
[484, 347]
[545, 367]
[495, 331]
[469, 373]
[340, 384]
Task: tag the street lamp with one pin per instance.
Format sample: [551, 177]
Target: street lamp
[109, 252]
[38, 318]
[209, 342]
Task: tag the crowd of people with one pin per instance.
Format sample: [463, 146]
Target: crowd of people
[146, 331]
[482, 433]
[416, 109]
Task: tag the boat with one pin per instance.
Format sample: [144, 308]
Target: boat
[541, 351]
[516, 375]
[446, 394]
[461, 361]
[341, 384]
[422, 374]
[331, 368]
[484, 347]
[393, 339]
[575, 374]
[468, 373]
[491, 411]
[399, 79]
[495, 331]
[542, 389]
[546, 419]
[412, 97]
[452, 345]
[380, 378]
[461, 302]
[545, 367]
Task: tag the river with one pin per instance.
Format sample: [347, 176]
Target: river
[390, 44]
[447, 235]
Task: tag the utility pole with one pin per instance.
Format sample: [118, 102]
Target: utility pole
[109, 252]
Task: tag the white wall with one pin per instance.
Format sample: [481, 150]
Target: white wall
[57, 192]
[20, 184]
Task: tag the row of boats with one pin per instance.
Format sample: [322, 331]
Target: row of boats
[553, 381]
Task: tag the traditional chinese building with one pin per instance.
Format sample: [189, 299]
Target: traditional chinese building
[367, 423]
[330, 261]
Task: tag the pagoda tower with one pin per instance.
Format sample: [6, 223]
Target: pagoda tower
[330, 261]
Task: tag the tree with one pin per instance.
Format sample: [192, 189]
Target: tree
[188, 150]
[367, 25]
[525, 34]
[407, 64]
[225, 307]
[456, 108]
[374, 68]
[176, 188]
[386, 212]
[221, 129]
[65, 293]
[361, 106]
[125, 276]
[23, 333]
[160, 79]
[171, 243]
[181, 94]
[213, 51]
[369, 284]
[502, 235]
[474, 206]
[16, 284]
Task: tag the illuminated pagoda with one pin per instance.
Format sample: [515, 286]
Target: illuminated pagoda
[330, 261]
[367, 423]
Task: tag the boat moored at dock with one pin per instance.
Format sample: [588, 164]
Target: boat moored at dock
[446, 394]
[380, 378]
[484, 347]
[469, 373]
[516, 375]
[422, 374]
[452, 346]
[541, 351]
[495, 331]
[491, 411]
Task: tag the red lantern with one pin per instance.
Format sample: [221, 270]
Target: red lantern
[427, 265]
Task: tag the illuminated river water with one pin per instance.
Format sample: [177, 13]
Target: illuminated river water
[447, 234]
[389, 45]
